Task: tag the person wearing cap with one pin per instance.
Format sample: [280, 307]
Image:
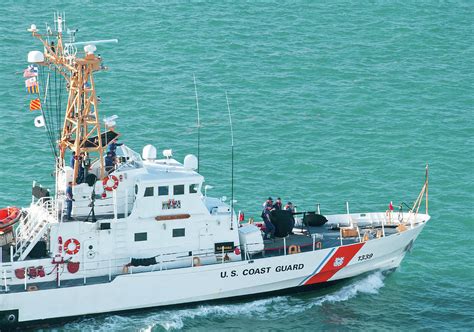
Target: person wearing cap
[289, 207]
[269, 227]
[278, 204]
[109, 162]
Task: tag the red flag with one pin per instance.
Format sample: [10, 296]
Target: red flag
[390, 206]
[35, 105]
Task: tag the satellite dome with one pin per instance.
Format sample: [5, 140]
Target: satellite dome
[191, 162]
[149, 152]
[35, 57]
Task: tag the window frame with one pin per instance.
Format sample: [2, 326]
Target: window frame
[167, 190]
[146, 192]
[174, 189]
[195, 186]
[137, 237]
[178, 234]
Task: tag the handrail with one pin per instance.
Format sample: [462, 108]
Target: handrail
[412, 214]
[32, 224]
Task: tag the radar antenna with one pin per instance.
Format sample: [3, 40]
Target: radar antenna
[81, 131]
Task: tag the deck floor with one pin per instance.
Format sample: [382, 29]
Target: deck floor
[303, 238]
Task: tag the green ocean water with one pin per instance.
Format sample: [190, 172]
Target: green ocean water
[332, 102]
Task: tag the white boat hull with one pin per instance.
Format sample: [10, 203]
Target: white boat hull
[209, 282]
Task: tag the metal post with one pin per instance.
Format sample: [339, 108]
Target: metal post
[114, 199]
[314, 241]
[5, 280]
[161, 262]
[11, 253]
[284, 245]
[110, 270]
[62, 211]
[26, 277]
[126, 203]
[318, 208]
[383, 227]
[84, 271]
[349, 215]
[222, 254]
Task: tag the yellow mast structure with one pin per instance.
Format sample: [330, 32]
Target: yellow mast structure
[81, 132]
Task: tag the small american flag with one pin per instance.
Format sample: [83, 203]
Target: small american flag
[30, 71]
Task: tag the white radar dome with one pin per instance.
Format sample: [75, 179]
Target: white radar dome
[35, 57]
[191, 162]
[149, 152]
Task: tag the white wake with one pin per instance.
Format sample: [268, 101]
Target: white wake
[271, 308]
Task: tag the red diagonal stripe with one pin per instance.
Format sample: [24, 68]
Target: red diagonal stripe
[328, 270]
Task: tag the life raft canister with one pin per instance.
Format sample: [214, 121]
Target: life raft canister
[108, 186]
[8, 217]
[72, 246]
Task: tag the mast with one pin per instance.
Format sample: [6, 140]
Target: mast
[81, 131]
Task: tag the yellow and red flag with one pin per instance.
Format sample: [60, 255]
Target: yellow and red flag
[35, 105]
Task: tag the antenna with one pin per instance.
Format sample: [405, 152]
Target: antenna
[232, 166]
[198, 121]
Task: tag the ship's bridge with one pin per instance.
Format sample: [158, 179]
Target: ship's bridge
[168, 187]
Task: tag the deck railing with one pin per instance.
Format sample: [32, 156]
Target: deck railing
[32, 225]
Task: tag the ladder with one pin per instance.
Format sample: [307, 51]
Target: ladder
[32, 226]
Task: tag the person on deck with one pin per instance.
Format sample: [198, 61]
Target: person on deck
[80, 172]
[112, 148]
[278, 204]
[73, 159]
[269, 227]
[109, 162]
[289, 207]
[69, 200]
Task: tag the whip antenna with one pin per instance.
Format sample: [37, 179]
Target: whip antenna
[198, 121]
[232, 165]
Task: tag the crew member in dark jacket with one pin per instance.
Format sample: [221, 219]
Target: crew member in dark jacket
[269, 227]
[69, 200]
[289, 207]
[109, 162]
[278, 205]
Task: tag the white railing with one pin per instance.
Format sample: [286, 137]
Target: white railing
[32, 226]
[106, 270]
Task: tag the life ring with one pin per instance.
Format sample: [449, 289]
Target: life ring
[106, 184]
[294, 249]
[196, 261]
[75, 249]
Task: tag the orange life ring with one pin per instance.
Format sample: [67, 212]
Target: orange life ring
[107, 186]
[75, 249]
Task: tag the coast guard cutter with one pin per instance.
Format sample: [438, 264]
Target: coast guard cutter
[142, 233]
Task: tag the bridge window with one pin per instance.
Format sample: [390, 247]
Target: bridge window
[178, 189]
[163, 191]
[193, 188]
[149, 191]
